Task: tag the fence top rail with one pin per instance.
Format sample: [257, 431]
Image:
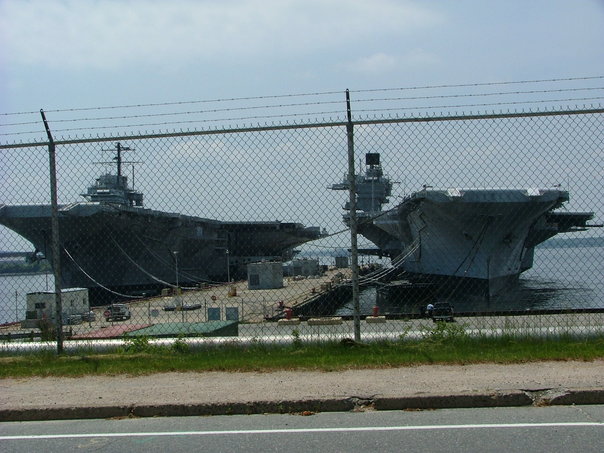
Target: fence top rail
[328, 124]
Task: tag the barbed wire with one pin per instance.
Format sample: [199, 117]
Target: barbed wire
[161, 104]
[306, 104]
[301, 115]
[468, 85]
[469, 95]
[172, 123]
[490, 104]
[309, 94]
[193, 112]
[277, 112]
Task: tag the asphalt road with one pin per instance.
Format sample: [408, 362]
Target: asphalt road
[534, 429]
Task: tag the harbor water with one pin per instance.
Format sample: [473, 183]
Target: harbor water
[13, 292]
[561, 278]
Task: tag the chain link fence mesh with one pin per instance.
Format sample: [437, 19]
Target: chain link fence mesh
[239, 233]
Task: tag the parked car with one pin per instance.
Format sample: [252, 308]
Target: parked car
[442, 311]
[117, 312]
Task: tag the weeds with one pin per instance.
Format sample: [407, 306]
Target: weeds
[136, 345]
[444, 343]
[296, 341]
[180, 346]
[446, 332]
[403, 336]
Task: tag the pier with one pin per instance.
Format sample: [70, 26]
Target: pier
[304, 305]
[234, 302]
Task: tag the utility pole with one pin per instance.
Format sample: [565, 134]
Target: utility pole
[354, 251]
[54, 222]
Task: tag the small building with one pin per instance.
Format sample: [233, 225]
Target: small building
[265, 275]
[341, 262]
[42, 305]
[305, 267]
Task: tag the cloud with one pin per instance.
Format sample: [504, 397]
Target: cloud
[380, 63]
[376, 63]
[111, 33]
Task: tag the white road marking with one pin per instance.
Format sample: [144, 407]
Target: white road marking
[307, 430]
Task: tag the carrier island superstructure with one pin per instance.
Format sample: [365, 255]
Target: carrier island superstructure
[114, 246]
[461, 240]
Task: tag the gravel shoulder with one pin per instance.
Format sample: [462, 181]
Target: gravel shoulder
[95, 394]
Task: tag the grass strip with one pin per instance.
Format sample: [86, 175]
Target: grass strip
[142, 357]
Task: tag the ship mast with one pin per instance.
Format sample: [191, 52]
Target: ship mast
[119, 161]
[111, 188]
[118, 158]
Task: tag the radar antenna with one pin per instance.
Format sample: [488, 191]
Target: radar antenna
[118, 157]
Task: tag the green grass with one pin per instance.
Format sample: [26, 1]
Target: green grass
[440, 347]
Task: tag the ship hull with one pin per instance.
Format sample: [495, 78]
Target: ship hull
[475, 241]
[116, 250]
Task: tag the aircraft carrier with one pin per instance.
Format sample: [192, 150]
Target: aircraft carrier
[475, 241]
[114, 246]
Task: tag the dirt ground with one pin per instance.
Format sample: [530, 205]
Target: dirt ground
[221, 387]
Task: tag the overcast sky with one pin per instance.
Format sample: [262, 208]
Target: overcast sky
[84, 53]
[64, 54]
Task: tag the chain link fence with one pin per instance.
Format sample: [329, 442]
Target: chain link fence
[490, 221]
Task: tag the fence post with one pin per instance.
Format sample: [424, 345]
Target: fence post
[54, 222]
[354, 253]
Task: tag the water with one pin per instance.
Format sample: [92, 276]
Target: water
[367, 300]
[561, 278]
[13, 290]
[570, 277]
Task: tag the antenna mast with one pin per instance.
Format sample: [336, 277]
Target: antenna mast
[120, 148]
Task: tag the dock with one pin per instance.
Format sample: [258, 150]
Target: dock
[200, 308]
[303, 305]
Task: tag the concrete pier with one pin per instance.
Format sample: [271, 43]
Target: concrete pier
[222, 302]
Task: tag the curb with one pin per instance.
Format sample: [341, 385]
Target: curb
[565, 397]
[496, 399]
[512, 398]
